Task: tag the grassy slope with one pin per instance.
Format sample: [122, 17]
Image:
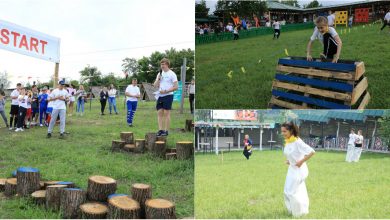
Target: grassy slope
[86, 152]
[253, 88]
[237, 188]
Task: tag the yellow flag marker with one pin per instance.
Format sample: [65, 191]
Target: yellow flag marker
[260, 61]
[243, 69]
[286, 52]
[230, 74]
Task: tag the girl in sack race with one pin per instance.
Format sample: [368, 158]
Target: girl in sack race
[247, 147]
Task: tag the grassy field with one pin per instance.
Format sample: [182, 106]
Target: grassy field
[237, 188]
[86, 152]
[259, 57]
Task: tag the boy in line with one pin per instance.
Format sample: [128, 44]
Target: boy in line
[132, 95]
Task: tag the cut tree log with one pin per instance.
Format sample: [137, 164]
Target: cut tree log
[139, 146]
[28, 180]
[41, 185]
[117, 145]
[100, 187]
[50, 183]
[141, 192]
[150, 139]
[39, 197]
[93, 210]
[67, 184]
[160, 209]
[171, 150]
[2, 184]
[71, 199]
[127, 137]
[189, 125]
[184, 150]
[129, 147]
[170, 156]
[159, 149]
[10, 187]
[123, 207]
[53, 196]
[162, 138]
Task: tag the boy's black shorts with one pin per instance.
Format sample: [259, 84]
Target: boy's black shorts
[164, 102]
[14, 110]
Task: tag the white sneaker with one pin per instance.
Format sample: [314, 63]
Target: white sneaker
[18, 129]
[10, 128]
[41, 125]
[21, 129]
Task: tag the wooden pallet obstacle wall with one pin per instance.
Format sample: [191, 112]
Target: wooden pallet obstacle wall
[302, 84]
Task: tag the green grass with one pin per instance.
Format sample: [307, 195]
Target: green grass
[86, 152]
[253, 88]
[237, 188]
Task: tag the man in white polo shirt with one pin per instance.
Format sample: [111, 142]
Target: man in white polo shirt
[386, 20]
[132, 95]
[58, 98]
[14, 106]
[166, 81]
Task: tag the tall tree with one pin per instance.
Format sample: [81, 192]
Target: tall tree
[313, 4]
[91, 75]
[130, 66]
[201, 10]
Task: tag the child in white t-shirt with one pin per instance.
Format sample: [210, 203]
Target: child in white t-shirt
[328, 37]
[132, 95]
[23, 100]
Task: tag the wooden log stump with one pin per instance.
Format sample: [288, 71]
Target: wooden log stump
[127, 137]
[159, 149]
[67, 184]
[2, 184]
[160, 209]
[100, 187]
[39, 197]
[28, 180]
[171, 150]
[129, 147]
[188, 126]
[162, 138]
[53, 196]
[93, 210]
[139, 146]
[184, 150]
[170, 156]
[123, 207]
[50, 183]
[150, 138]
[117, 145]
[71, 199]
[41, 185]
[10, 187]
[141, 192]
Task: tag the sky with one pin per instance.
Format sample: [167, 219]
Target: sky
[96, 32]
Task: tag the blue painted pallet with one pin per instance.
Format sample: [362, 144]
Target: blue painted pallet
[345, 67]
[315, 82]
[309, 100]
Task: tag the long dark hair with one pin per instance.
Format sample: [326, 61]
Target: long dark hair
[290, 126]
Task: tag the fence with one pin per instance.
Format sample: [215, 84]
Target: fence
[226, 36]
[380, 145]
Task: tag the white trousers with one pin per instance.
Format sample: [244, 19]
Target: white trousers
[350, 152]
[356, 154]
[295, 192]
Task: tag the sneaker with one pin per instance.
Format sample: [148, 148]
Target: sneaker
[21, 129]
[17, 130]
[116, 113]
[41, 125]
[48, 135]
[62, 136]
[159, 133]
[164, 133]
[10, 128]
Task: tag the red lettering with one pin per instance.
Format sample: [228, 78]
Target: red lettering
[16, 35]
[4, 36]
[34, 44]
[23, 42]
[43, 45]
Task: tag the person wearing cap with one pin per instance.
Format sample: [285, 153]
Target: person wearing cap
[59, 97]
[42, 105]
